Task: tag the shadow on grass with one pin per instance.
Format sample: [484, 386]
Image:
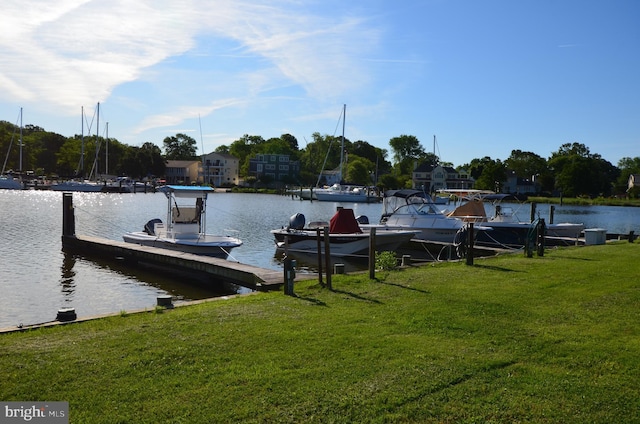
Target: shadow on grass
[404, 287]
[356, 296]
[495, 268]
[312, 300]
[576, 258]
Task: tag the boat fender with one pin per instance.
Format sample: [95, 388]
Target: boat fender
[149, 226]
[363, 219]
[296, 222]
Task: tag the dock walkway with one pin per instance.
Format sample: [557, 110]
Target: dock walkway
[249, 276]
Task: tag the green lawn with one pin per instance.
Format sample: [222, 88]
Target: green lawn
[552, 339]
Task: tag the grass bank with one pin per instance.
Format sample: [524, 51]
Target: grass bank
[586, 201]
[511, 339]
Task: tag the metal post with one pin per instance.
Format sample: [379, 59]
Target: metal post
[327, 256]
[319, 242]
[372, 253]
[470, 238]
[541, 229]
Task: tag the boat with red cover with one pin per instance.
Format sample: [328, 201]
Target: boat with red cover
[346, 236]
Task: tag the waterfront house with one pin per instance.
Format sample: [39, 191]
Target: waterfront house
[220, 169]
[182, 171]
[276, 168]
[439, 177]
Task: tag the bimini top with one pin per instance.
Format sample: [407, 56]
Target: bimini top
[186, 191]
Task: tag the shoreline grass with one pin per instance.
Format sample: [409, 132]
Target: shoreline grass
[510, 339]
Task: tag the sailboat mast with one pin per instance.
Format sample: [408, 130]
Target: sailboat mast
[82, 142]
[20, 141]
[97, 138]
[106, 158]
[344, 118]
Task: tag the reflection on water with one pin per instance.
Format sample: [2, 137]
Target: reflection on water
[68, 274]
[576, 212]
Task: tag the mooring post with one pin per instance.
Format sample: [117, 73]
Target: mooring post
[327, 256]
[533, 211]
[552, 209]
[319, 243]
[372, 253]
[631, 237]
[68, 216]
[289, 275]
[470, 244]
[541, 229]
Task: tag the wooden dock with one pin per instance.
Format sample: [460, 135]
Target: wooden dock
[249, 276]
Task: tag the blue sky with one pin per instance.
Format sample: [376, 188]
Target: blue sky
[484, 76]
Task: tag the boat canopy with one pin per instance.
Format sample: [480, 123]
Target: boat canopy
[344, 222]
[187, 191]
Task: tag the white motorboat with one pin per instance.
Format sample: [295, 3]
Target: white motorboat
[185, 230]
[346, 237]
[347, 193]
[415, 210]
[506, 229]
[7, 182]
[84, 186]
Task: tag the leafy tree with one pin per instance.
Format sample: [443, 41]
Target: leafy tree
[68, 158]
[476, 166]
[578, 172]
[359, 170]
[493, 176]
[406, 147]
[291, 141]
[180, 147]
[144, 161]
[389, 182]
[46, 143]
[323, 153]
[530, 165]
[526, 164]
[222, 149]
[244, 148]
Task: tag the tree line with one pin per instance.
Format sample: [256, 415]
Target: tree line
[572, 170]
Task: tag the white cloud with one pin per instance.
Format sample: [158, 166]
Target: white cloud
[70, 53]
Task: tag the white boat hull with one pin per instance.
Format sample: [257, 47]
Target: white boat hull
[431, 227]
[215, 246]
[8, 183]
[86, 187]
[355, 244]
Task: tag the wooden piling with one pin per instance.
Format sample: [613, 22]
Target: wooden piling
[68, 216]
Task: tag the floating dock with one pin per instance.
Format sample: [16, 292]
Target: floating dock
[249, 276]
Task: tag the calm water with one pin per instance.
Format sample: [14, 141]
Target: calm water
[37, 278]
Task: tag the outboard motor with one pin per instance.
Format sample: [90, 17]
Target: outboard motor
[296, 222]
[149, 226]
[363, 219]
